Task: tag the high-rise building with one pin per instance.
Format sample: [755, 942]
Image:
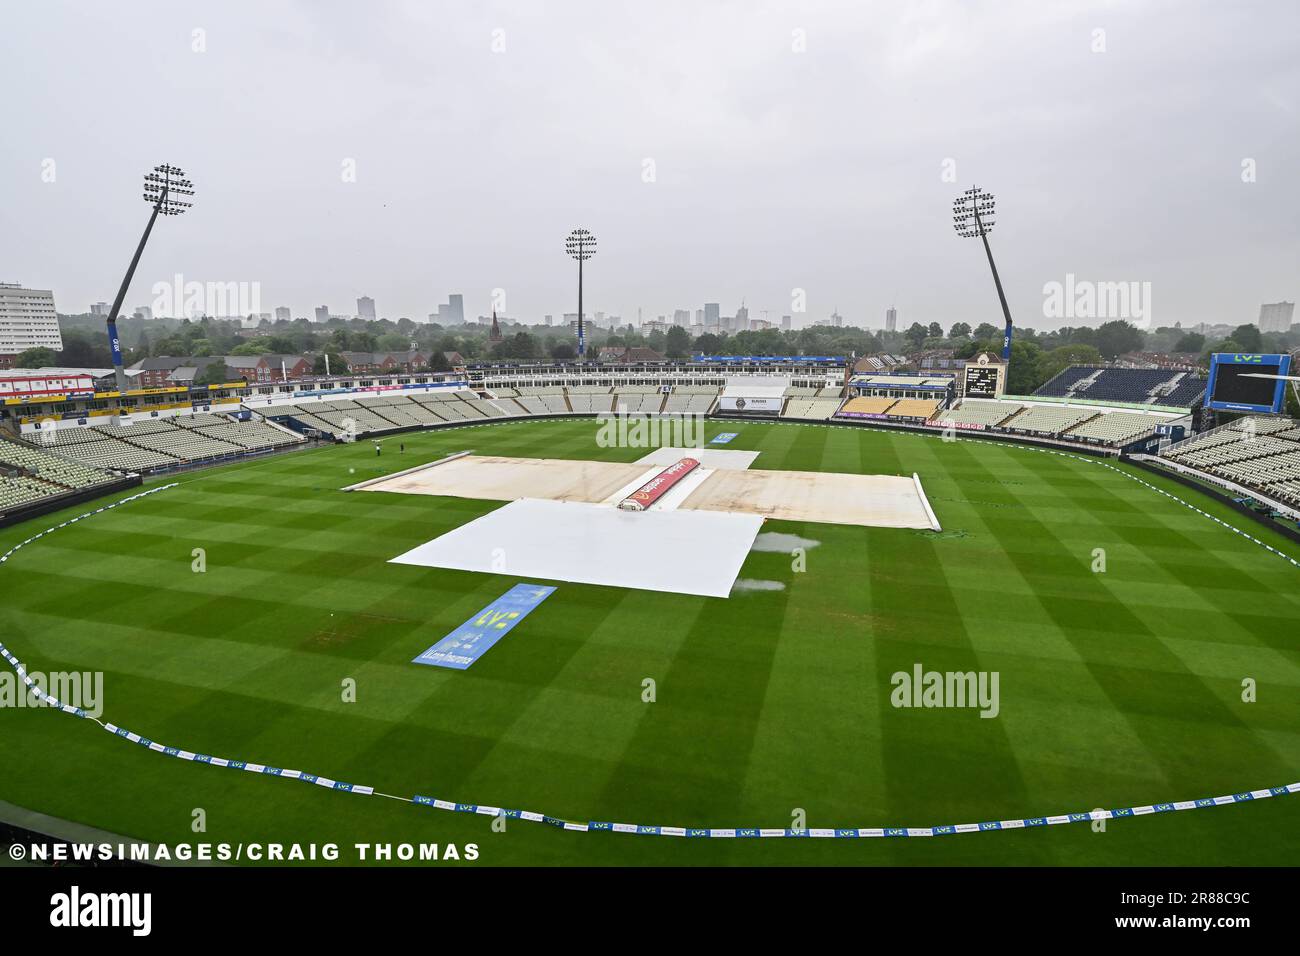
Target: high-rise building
[1276, 316]
[366, 308]
[99, 308]
[142, 312]
[681, 317]
[787, 323]
[712, 313]
[742, 318]
[282, 313]
[27, 320]
[452, 312]
[322, 313]
[891, 319]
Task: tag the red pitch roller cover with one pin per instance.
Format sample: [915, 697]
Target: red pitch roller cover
[658, 486]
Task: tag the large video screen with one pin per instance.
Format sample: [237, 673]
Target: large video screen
[1236, 386]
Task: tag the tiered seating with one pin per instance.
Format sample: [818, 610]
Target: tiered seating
[543, 400]
[1185, 391]
[531, 404]
[456, 410]
[408, 415]
[974, 411]
[1048, 419]
[29, 475]
[45, 465]
[1256, 451]
[198, 420]
[250, 435]
[1241, 448]
[423, 413]
[96, 448]
[16, 491]
[542, 390]
[1288, 491]
[490, 409]
[348, 416]
[866, 405]
[1115, 428]
[590, 403]
[818, 409]
[1133, 386]
[923, 408]
[645, 401]
[182, 443]
[681, 402]
[800, 391]
[1061, 384]
[301, 414]
[1281, 467]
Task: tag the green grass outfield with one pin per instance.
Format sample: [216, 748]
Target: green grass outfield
[1118, 689]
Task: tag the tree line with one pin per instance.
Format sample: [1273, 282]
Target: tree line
[1035, 357]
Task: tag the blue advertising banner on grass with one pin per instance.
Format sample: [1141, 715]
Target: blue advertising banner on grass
[722, 438]
[463, 646]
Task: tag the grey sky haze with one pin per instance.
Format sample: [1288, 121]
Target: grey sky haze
[775, 169]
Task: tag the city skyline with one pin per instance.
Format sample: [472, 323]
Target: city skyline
[765, 196]
[1272, 317]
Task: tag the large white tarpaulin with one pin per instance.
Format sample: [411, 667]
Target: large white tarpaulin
[696, 552]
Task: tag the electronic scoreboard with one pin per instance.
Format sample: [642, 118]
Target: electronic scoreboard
[1238, 382]
[984, 379]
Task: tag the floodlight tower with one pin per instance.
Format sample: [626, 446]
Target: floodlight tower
[972, 215]
[581, 244]
[165, 188]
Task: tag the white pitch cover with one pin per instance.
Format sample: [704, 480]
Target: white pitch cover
[682, 552]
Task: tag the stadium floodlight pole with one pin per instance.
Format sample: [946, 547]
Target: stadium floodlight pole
[972, 215]
[581, 244]
[163, 187]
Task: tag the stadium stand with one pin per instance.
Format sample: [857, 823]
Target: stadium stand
[866, 405]
[584, 402]
[29, 475]
[1114, 428]
[1256, 451]
[645, 400]
[817, 409]
[974, 411]
[1185, 392]
[168, 442]
[1048, 419]
[377, 414]
[1062, 384]
[93, 447]
[1131, 386]
[687, 403]
[923, 408]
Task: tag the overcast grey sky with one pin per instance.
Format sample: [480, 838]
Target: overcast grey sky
[774, 168]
